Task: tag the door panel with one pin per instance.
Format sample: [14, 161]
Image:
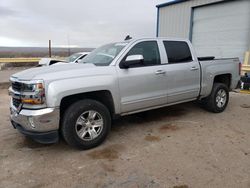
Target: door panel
[183, 81]
[183, 72]
[143, 84]
[142, 87]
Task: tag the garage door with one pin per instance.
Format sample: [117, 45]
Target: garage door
[222, 30]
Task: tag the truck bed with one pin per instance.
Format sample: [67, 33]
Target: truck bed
[211, 68]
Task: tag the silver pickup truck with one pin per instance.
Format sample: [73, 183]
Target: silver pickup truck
[79, 101]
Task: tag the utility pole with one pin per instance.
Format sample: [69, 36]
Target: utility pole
[68, 45]
[49, 48]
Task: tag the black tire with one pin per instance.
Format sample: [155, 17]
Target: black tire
[210, 102]
[72, 114]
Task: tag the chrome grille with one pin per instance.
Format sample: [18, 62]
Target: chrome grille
[16, 102]
[16, 86]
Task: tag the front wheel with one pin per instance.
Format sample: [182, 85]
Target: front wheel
[86, 124]
[218, 99]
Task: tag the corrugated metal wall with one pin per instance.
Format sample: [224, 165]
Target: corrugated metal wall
[174, 20]
[222, 30]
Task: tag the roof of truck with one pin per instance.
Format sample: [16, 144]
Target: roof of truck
[155, 38]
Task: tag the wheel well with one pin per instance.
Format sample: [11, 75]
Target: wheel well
[223, 78]
[103, 96]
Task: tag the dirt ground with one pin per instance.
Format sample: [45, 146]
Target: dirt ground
[176, 147]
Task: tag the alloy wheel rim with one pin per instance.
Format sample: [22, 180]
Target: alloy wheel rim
[89, 125]
[221, 98]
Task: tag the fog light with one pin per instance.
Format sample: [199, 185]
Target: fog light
[31, 122]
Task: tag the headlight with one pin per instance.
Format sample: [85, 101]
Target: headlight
[33, 93]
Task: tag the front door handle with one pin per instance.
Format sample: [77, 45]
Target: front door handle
[160, 72]
[194, 68]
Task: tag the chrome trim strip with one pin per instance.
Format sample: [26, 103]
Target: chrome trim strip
[44, 111]
[156, 107]
[13, 92]
[14, 79]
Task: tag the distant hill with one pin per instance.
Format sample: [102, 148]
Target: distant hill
[8, 52]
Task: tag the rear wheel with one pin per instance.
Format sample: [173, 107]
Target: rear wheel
[218, 99]
[86, 124]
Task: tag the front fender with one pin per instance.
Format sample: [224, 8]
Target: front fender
[59, 89]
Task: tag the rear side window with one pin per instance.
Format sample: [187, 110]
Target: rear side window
[177, 51]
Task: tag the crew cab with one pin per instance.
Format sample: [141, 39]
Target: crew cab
[79, 101]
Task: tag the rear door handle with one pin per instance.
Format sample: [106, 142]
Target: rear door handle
[194, 68]
[160, 72]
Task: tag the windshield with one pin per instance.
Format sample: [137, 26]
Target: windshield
[104, 55]
[73, 57]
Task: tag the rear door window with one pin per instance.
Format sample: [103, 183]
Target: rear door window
[177, 52]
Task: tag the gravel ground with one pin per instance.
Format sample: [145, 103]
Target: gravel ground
[177, 147]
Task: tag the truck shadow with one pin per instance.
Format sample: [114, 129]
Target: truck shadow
[157, 115]
[27, 144]
[138, 119]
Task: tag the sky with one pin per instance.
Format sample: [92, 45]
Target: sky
[75, 23]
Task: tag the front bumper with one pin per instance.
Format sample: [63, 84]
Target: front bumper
[41, 125]
[41, 137]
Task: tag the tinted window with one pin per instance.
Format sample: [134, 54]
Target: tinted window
[177, 51]
[150, 52]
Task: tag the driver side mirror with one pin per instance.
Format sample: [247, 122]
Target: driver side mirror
[132, 60]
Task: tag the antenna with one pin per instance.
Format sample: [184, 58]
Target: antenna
[128, 37]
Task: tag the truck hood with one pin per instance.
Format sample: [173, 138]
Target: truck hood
[60, 71]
